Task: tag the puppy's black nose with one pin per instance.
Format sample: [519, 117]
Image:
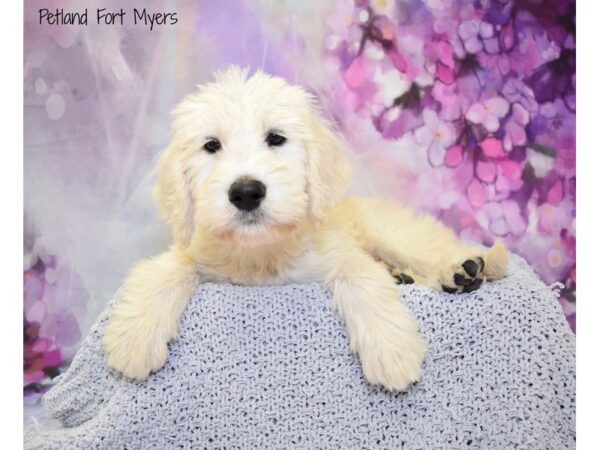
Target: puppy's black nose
[246, 194]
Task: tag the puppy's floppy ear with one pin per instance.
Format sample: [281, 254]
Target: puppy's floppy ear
[328, 169]
[173, 195]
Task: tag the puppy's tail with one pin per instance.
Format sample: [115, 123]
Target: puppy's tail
[496, 261]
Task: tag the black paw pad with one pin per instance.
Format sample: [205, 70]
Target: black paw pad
[404, 279]
[461, 280]
[448, 289]
[481, 263]
[476, 284]
[471, 267]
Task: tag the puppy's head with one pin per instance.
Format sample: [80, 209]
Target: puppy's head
[250, 159]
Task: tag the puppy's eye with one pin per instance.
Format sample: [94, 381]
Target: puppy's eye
[275, 140]
[212, 146]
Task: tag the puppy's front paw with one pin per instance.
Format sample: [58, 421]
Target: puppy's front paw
[392, 355]
[135, 345]
[466, 276]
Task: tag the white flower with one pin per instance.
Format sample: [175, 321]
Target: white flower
[435, 136]
[488, 113]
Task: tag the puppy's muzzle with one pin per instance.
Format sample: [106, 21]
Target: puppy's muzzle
[246, 194]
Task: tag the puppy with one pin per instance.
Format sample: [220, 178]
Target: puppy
[252, 185]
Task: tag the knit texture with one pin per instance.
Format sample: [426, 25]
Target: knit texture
[270, 367]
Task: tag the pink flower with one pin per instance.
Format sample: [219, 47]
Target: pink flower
[511, 170]
[436, 136]
[497, 65]
[488, 113]
[515, 127]
[503, 218]
[492, 147]
[486, 171]
[507, 37]
[454, 156]
[508, 178]
[490, 42]
[515, 91]
[477, 35]
[476, 193]
[442, 54]
[450, 101]
[355, 73]
[469, 33]
[556, 193]
[457, 97]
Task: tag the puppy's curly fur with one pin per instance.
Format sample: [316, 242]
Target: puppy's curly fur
[301, 231]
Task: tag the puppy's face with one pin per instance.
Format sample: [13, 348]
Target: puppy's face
[250, 159]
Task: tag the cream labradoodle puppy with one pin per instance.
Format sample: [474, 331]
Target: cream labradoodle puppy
[252, 185]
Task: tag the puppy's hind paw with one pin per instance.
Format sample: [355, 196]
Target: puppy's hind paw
[464, 277]
[402, 278]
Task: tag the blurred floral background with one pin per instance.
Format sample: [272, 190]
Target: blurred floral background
[465, 109]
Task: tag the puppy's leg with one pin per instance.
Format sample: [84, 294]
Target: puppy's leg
[147, 316]
[417, 247]
[380, 327]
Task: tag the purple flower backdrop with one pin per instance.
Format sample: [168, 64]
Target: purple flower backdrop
[465, 109]
[486, 91]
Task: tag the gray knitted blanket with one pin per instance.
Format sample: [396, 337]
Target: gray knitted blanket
[270, 367]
